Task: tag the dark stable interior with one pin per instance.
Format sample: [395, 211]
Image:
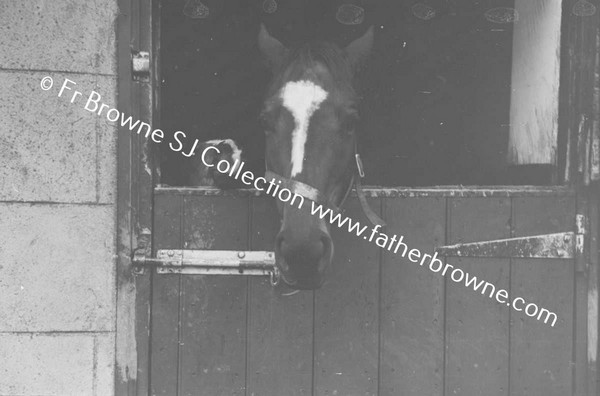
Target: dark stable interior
[436, 87]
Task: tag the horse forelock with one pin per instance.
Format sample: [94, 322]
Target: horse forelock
[322, 63]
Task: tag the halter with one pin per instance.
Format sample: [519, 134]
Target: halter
[313, 194]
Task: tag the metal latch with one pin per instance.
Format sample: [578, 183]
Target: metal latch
[140, 65]
[559, 245]
[211, 262]
[562, 245]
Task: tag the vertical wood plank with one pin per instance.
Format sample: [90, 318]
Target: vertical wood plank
[280, 325]
[213, 307]
[134, 208]
[346, 315]
[476, 325]
[126, 358]
[580, 341]
[535, 81]
[165, 299]
[412, 302]
[143, 293]
[541, 355]
[593, 303]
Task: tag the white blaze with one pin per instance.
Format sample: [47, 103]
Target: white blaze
[302, 99]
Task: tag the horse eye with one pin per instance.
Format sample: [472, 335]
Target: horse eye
[263, 120]
[266, 124]
[349, 125]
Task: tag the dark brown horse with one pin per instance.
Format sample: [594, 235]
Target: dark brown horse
[310, 115]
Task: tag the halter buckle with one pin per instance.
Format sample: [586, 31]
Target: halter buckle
[275, 276]
[359, 166]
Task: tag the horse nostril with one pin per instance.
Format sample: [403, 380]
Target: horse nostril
[304, 256]
[326, 241]
[280, 244]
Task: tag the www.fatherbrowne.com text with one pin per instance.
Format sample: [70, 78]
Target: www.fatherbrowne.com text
[392, 243]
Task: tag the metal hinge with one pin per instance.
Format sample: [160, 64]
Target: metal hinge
[211, 262]
[140, 65]
[561, 245]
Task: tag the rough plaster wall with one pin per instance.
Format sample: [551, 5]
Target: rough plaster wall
[57, 200]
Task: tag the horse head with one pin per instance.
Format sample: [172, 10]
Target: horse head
[310, 116]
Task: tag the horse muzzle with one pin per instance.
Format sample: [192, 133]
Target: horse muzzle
[302, 262]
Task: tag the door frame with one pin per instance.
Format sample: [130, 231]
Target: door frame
[135, 180]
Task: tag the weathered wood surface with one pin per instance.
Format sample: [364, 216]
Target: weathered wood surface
[400, 192]
[382, 325]
[280, 324]
[540, 355]
[580, 92]
[535, 82]
[412, 302]
[583, 270]
[166, 289]
[476, 326]
[212, 352]
[346, 344]
[134, 206]
[592, 371]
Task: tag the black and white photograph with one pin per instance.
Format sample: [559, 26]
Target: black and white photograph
[299, 197]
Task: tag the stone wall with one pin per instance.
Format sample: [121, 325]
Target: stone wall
[57, 200]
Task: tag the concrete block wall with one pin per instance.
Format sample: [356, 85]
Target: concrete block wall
[57, 200]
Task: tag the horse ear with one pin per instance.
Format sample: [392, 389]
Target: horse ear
[358, 50]
[272, 49]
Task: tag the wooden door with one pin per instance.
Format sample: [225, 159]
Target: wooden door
[380, 325]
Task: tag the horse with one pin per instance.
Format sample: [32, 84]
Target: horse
[310, 117]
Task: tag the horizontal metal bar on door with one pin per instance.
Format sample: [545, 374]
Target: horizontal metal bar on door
[211, 262]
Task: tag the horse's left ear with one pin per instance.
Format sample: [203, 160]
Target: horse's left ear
[358, 50]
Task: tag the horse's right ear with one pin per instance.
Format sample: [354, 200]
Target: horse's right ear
[272, 49]
[358, 50]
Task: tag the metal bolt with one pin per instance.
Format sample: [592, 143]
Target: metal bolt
[170, 253]
[241, 254]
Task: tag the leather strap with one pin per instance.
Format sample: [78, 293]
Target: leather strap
[303, 189]
[371, 215]
[309, 192]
